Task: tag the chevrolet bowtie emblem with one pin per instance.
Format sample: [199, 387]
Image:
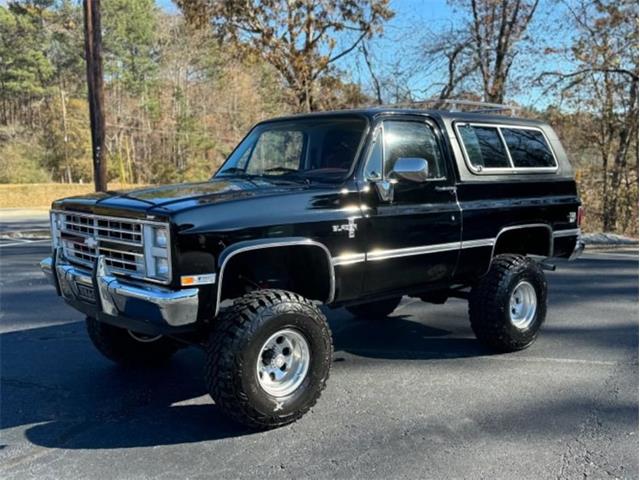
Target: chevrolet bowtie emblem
[91, 242]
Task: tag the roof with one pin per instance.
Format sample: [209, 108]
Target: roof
[374, 112]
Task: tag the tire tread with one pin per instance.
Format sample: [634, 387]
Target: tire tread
[486, 307]
[235, 325]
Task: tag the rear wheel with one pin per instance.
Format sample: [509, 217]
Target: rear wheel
[509, 304]
[130, 348]
[268, 358]
[375, 310]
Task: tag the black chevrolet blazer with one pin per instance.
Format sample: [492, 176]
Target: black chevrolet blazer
[353, 208]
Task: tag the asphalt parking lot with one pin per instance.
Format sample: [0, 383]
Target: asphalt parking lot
[413, 396]
[23, 220]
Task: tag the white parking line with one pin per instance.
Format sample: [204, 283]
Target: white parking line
[24, 242]
[497, 358]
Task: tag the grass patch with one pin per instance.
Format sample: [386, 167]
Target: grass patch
[34, 195]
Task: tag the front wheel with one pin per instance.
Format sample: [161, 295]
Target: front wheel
[268, 358]
[509, 304]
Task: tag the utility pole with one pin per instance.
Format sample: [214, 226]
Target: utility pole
[93, 56]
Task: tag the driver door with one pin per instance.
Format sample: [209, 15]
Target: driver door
[413, 227]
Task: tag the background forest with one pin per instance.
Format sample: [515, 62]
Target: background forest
[185, 81]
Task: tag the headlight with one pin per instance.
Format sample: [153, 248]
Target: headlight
[162, 267]
[160, 237]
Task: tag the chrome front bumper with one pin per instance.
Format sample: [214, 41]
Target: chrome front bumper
[101, 293]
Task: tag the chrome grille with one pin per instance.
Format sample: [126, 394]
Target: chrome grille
[83, 237]
[118, 230]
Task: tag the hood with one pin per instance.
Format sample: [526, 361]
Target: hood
[170, 198]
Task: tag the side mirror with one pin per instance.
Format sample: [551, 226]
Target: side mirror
[411, 168]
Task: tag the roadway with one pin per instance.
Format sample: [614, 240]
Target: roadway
[413, 396]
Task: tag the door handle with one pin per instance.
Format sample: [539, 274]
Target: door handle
[450, 189]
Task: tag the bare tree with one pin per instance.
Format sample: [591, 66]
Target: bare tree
[479, 51]
[375, 79]
[604, 83]
[450, 54]
[299, 38]
[494, 31]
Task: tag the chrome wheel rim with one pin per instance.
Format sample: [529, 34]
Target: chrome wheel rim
[283, 363]
[142, 338]
[523, 305]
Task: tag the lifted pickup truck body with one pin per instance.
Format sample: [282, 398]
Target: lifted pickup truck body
[427, 201]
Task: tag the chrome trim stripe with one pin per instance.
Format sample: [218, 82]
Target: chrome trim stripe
[483, 242]
[348, 259]
[375, 255]
[572, 232]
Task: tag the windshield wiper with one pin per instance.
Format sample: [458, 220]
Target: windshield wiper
[281, 169]
[287, 174]
[233, 171]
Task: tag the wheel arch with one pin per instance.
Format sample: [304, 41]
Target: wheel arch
[235, 252]
[531, 238]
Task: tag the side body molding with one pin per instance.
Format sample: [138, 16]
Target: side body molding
[260, 244]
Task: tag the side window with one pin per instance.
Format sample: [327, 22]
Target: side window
[373, 168]
[412, 139]
[484, 146]
[528, 148]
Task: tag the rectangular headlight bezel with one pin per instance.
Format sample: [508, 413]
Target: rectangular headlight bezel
[154, 252]
[54, 228]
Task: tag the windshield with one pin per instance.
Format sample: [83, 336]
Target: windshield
[318, 148]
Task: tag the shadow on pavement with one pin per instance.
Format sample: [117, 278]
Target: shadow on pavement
[397, 337]
[53, 377]
[594, 279]
[55, 382]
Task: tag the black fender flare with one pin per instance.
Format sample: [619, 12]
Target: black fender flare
[260, 244]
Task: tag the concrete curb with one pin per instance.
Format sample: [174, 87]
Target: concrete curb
[608, 240]
[26, 234]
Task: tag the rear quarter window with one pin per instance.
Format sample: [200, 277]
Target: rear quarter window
[505, 149]
[528, 148]
[484, 146]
